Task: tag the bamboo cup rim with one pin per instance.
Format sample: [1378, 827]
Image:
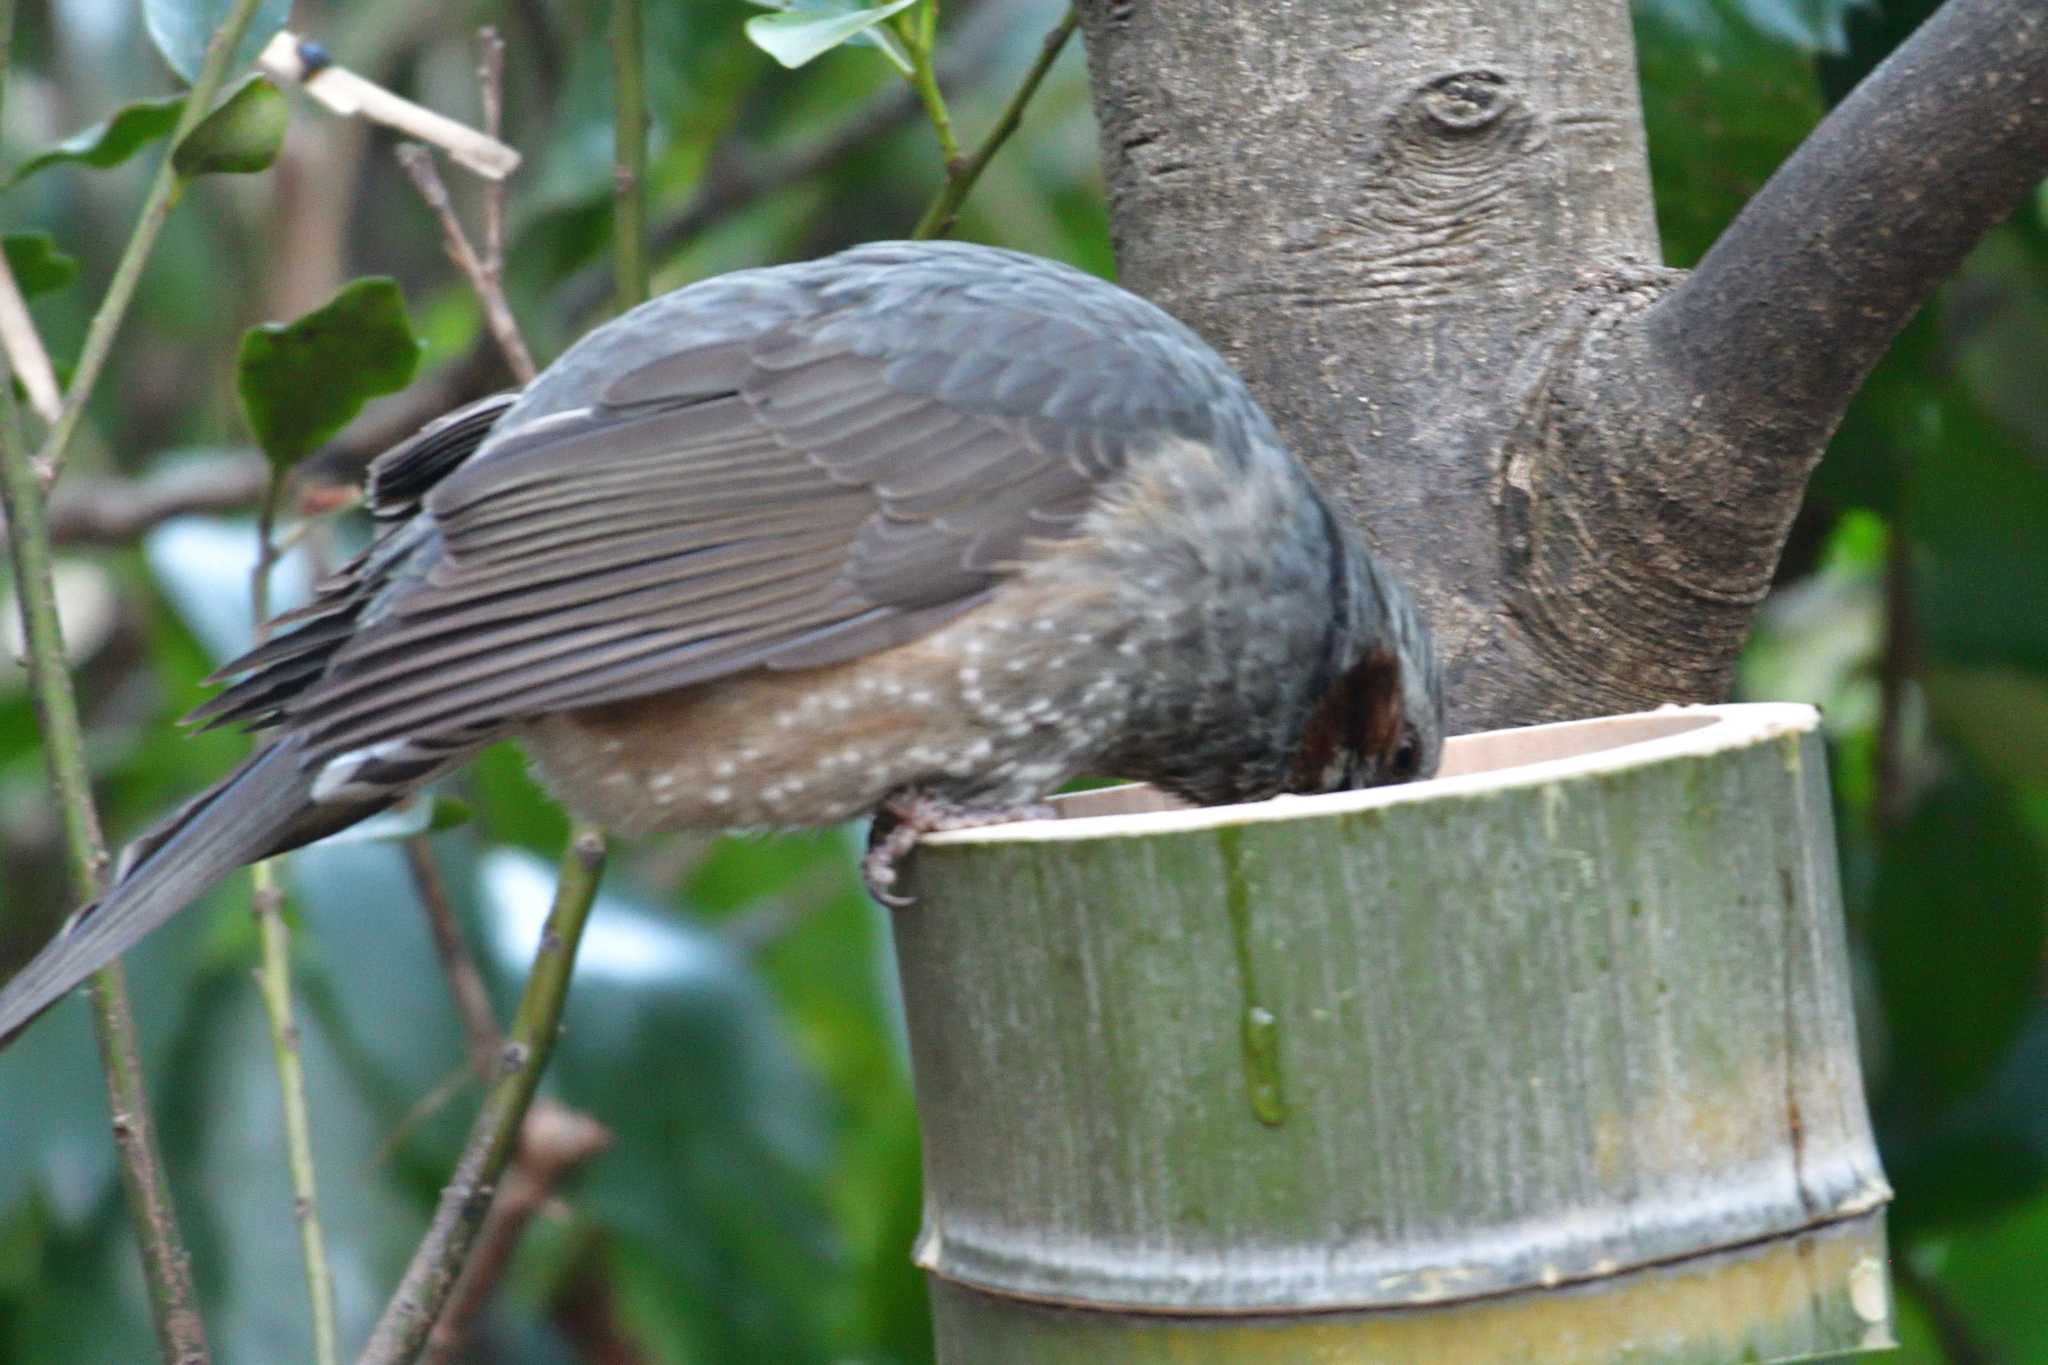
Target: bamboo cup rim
[1488, 760]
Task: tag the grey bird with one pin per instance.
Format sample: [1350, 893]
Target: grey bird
[922, 529]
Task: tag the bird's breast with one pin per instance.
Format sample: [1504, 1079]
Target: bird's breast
[996, 708]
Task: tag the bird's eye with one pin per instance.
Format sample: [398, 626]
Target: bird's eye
[1407, 759]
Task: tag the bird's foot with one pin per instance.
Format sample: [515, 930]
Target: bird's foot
[907, 818]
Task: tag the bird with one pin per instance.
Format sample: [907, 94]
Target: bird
[919, 530]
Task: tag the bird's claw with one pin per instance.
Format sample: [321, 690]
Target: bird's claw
[903, 820]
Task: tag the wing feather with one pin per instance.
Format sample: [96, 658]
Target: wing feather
[776, 469]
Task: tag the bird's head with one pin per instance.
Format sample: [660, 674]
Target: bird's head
[1380, 716]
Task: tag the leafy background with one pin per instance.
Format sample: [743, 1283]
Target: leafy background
[734, 1019]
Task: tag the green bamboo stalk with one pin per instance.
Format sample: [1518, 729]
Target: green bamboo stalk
[163, 196]
[423, 1291]
[181, 1335]
[961, 175]
[629, 173]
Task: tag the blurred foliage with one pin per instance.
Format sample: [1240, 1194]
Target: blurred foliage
[734, 1018]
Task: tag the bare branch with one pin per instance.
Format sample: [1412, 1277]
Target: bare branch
[419, 164]
[553, 1141]
[963, 172]
[166, 1268]
[459, 1218]
[465, 982]
[1805, 290]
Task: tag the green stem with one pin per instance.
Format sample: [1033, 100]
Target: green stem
[274, 978]
[438, 1262]
[163, 196]
[961, 175]
[167, 1270]
[266, 904]
[629, 151]
[917, 38]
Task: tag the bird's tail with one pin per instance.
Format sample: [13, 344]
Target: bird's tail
[263, 807]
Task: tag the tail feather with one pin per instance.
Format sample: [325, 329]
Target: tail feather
[261, 808]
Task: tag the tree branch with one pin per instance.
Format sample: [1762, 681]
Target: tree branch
[961, 173]
[553, 1142]
[167, 1270]
[1802, 294]
[483, 272]
[465, 981]
[435, 1265]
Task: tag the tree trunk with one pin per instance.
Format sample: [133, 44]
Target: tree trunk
[1423, 231]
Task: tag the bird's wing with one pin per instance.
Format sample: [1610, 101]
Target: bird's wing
[801, 496]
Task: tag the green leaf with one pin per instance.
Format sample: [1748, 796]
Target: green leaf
[1724, 103]
[1957, 930]
[36, 264]
[182, 28]
[796, 35]
[240, 137]
[110, 141]
[303, 381]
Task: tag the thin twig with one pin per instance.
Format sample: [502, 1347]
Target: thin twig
[465, 982]
[741, 174]
[629, 157]
[1784, 316]
[167, 1270]
[435, 1265]
[419, 165]
[24, 348]
[916, 29]
[961, 175]
[490, 75]
[273, 979]
[553, 1141]
[166, 1266]
[164, 193]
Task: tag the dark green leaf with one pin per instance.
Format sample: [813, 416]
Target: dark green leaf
[110, 141]
[1957, 927]
[240, 137]
[36, 264]
[181, 30]
[1724, 103]
[797, 34]
[302, 381]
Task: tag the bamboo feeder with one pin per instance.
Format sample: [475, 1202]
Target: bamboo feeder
[1547, 1060]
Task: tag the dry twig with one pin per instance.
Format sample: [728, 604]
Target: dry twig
[553, 1141]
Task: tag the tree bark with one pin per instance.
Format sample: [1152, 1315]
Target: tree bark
[1423, 231]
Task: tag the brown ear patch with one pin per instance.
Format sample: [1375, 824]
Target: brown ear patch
[1360, 713]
